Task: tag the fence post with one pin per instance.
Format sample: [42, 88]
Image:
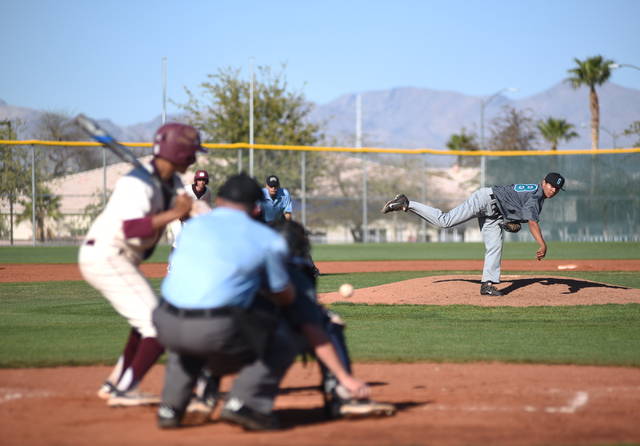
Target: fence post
[304, 189]
[423, 224]
[33, 191]
[104, 178]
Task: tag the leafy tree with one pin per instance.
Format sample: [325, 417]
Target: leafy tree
[513, 130]
[467, 142]
[280, 117]
[14, 169]
[556, 130]
[58, 125]
[591, 72]
[93, 209]
[634, 129]
[47, 205]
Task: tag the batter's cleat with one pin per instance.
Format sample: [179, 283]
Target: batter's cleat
[316, 272]
[235, 411]
[487, 289]
[130, 398]
[400, 203]
[168, 417]
[106, 390]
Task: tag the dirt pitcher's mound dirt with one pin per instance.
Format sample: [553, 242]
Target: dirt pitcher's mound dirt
[519, 291]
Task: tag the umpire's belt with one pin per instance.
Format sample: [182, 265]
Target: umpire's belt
[195, 313]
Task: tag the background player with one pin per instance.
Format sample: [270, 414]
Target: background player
[277, 201]
[518, 203]
[277, 205]
[125, 234]
[197, 191]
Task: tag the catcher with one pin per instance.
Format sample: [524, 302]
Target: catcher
[319, 331]
[497, 208]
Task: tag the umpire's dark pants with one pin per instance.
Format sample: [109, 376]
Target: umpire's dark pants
[214, 340]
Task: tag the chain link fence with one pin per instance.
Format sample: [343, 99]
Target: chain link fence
[329, 187]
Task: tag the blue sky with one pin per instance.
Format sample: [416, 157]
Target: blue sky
[104, 58]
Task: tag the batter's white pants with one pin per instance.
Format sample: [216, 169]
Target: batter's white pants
[479, 205]
[175, 226]
[120, 281]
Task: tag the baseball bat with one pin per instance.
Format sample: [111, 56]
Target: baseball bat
[93, 129]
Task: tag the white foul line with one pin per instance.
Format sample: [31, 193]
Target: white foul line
[579, 400]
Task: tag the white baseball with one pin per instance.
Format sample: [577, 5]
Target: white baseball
[346, 290]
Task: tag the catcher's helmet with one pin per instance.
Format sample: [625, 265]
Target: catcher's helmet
[201, 175]
[178, 143]
[294, 234]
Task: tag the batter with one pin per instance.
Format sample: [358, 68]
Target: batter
[125, 234]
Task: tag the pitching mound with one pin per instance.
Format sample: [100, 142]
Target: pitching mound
[519, 291]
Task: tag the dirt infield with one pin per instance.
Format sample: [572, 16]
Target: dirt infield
[29, 272]
[439, 404]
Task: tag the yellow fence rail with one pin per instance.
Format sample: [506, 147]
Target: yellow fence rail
[342, 149]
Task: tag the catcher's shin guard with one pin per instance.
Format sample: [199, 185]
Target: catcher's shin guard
[334, 326]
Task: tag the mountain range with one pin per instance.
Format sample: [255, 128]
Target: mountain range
[409, 117]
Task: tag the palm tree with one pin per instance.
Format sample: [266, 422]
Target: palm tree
[47, 205]
[463, 141]
[556, 130]
[591, 72]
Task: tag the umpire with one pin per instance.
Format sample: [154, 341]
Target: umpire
[206, 316]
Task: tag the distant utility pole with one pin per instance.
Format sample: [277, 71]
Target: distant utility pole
[251, 121]
[364, 166]
[164, 90]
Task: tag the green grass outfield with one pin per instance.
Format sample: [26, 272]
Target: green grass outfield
[69, 323]
[375, 251]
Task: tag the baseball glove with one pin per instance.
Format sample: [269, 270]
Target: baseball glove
[510, 226]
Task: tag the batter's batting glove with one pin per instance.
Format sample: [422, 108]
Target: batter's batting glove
[510, 226]
[401, 202]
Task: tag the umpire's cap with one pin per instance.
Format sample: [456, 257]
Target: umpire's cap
[241, 188]
[273, 181]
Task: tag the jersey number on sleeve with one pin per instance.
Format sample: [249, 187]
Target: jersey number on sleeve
[525, 187]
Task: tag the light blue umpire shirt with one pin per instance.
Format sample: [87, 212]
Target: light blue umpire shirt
[222, 258]
[275, 209]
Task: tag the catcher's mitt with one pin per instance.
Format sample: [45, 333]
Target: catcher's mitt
[510, 226]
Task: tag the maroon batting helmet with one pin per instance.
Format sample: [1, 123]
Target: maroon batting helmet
[201, 175]
[178, 143]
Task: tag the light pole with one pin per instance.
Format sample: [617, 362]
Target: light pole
[483, 105]
[612, 134]
[613, 66]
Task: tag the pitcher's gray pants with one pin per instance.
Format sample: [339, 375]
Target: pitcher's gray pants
[217, 343]
[479, 205]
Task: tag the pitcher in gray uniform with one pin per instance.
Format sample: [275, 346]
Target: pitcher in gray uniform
[493, 207]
